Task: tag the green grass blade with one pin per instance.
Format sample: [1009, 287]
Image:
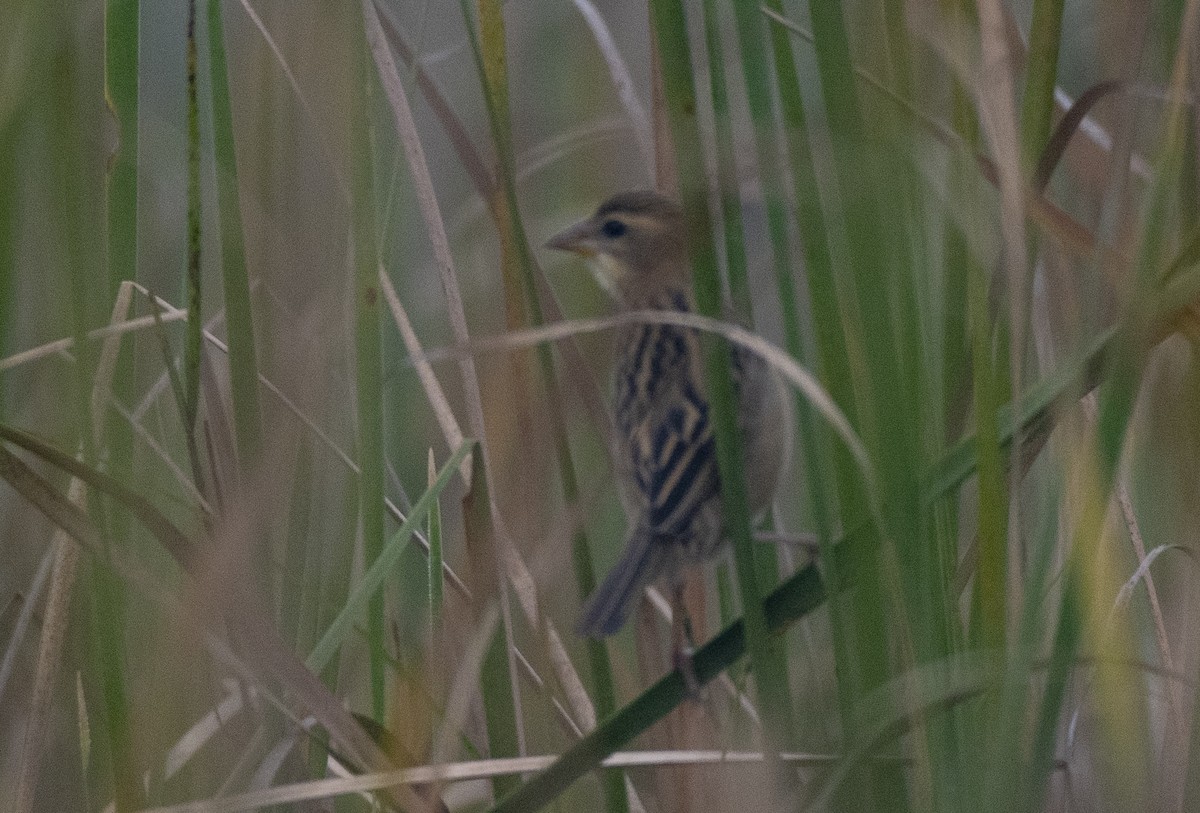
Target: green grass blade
[856, 641]
[728, 186]
[243, 355]
[195, 322]
[108, 617]
[436, 580]
[368, 351]
[1041, 75]
[670, 27]
[496, 682]
[372, 581]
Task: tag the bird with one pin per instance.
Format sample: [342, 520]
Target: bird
[665, 452]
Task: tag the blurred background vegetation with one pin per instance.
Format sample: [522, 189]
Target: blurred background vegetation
[281, 439]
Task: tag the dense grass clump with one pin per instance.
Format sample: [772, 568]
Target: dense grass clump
[304, 439]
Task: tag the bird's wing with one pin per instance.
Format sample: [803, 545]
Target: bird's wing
[664, 420]
[674, 461]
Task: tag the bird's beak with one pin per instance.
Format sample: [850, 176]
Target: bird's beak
[580, 238]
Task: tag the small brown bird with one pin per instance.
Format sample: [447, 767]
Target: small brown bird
[665, 451]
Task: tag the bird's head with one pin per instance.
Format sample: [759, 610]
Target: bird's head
[636, 242]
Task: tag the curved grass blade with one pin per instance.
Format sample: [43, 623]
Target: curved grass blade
[258, 639]
[798, 596]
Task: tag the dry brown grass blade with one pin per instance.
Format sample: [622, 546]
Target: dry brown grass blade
[66, 564]
[433, 388]
[483, 178]
[264, 652]
[435, 227]
[334, 166]
[507, 557]
[794, 374]
[50, 647]
[482, 769]
[1067, 126]
[621, 79]
[489, 192]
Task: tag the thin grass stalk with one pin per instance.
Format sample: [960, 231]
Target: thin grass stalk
[121, 24]
[488, 47]
[370, 586]
[50, 648]
[10, 207]
[1041, 74]
[1009, 725]
[295, 578]
[989, 617]
[65, 198]
[338, 569]
[604, 692]
[753, 52]
[1067, 636]
[1037, 109]
[968, 378]
[670, 27]
[243, 356]
[996, 99]
[121, 79]
[956, 260]
[106, 616]
[319, 577]
[958, 268]
[496, 683]
[728, 182]
[855, 654]
[368, 349]
[730, 194]
[910, 257]
[489, 52]
[1190, 791]
[121, 94]
[195, 322]
[75, 195]
[433, 532]
[108, 619]
[991, 574]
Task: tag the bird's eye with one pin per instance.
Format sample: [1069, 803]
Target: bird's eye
[613, 228]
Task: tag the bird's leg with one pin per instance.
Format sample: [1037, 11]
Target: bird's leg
[683, 643]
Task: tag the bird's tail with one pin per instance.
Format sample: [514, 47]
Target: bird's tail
[639, 565]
